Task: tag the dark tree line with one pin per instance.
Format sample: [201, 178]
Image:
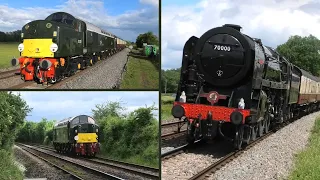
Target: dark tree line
[169, 80]
[14, 36]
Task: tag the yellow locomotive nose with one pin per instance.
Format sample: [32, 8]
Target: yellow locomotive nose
[87, 138]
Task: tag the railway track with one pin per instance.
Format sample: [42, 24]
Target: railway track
[207, 172]
[172, 130]
[77, 171]
[8, 74]
[173, 135]
[143, 171]
[34, 85]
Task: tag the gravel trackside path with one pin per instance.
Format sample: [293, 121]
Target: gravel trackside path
[36, 168]
[273, 158]
[106, 75]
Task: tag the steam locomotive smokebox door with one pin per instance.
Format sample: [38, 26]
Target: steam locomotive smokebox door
[223, 56]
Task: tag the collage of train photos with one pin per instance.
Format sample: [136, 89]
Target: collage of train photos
[159, 89]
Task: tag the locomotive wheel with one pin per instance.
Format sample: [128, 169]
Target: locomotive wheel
[261, 127]
[190, 133]
[254, 131]
[190, 138]
[246, 134]
[238, 138]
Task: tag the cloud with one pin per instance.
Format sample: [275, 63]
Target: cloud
[151, 2]
[272, 21]
[127, 25]
[60, 105]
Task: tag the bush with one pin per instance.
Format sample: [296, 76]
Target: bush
[7, 167]
[167, 100]
[132, 138]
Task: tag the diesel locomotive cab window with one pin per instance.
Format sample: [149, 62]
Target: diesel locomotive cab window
[75, 121]
[90, 120]
[57, 17]
[63, 18]
[83, 119]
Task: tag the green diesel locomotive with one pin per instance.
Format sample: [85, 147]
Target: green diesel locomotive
[151, 50]
[77, 135]
[60, 45]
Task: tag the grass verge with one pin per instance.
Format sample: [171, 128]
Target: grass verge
[166, 106]
[307, 162]
[7, 52]
[7, 168]
[141, 74]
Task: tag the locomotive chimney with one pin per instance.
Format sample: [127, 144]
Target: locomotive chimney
[234, 26]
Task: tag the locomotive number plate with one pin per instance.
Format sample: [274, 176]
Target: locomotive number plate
[221, 48]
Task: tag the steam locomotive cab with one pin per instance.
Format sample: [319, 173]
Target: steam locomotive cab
[226, 79]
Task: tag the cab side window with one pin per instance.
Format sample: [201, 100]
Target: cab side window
[75, 121]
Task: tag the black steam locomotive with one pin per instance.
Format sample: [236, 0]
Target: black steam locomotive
[235, 87]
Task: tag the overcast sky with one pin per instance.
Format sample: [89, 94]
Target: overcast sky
[126, 19]
[57, 105]
[273, 21]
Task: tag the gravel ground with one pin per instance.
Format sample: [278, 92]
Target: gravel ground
[36, 168]
[273, 158]
[107, 75]
[114, 171]
[185, 165]
[270, 159]
[12, 81]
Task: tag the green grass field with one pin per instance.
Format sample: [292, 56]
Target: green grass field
[166, 105]
[307, 163]
[7, 52]
[142, 73]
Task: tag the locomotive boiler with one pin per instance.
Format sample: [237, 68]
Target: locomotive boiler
[58, 46]
[77, 135]
[232, 86]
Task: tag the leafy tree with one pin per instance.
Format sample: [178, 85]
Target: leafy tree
[303, 52]
[37, 132]
[148, 38]
[108, 109]
[13, 111]
[170, 80]
[132, 137]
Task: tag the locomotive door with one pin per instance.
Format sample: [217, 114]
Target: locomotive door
[84, 34]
